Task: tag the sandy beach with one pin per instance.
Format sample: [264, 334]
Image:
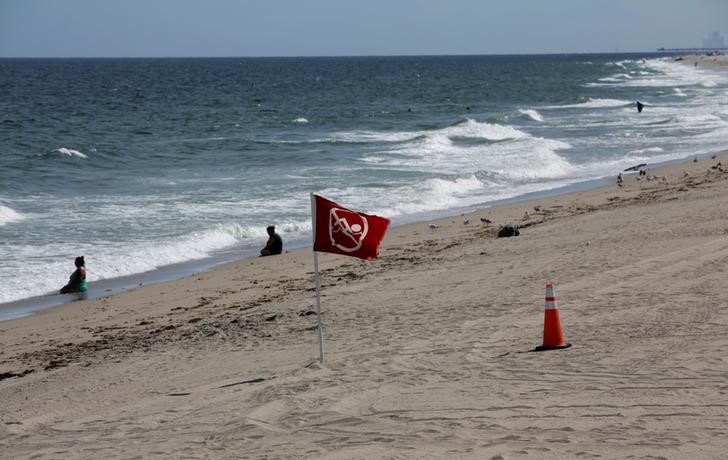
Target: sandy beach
[428, 348]
[718, 60]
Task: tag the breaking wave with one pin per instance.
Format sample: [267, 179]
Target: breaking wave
[70, 152]
[532, 114]
[8, 215]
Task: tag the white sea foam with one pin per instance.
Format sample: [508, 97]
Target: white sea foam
[467, 129]
[299, 120]
[532, 114]
[372, 136]
[439, 194]
[510, 152]
[622, 63]
[699, 119]
[664, 72]
[8, 215]
[593, 103]
[481, 130]
[427, 196]
[617, 78]
[70, 152]
[641, 152]
[679, 92]
[107, 260]
[533, 159]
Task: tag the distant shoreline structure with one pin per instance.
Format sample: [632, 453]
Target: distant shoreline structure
[691, 50]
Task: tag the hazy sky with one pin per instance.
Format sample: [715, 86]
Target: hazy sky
[64, 28]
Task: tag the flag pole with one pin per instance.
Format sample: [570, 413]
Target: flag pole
[318, 306]
[318, 281]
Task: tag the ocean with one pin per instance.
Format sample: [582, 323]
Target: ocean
[145, 164]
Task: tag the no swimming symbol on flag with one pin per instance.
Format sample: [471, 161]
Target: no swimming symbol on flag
[347, 229]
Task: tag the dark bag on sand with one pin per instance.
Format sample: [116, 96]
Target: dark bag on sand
[508, 230]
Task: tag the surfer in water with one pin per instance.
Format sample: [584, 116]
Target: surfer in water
[640, 106]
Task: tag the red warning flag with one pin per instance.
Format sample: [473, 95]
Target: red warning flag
[340, 230]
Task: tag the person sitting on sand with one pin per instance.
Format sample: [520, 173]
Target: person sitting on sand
[274, 245]
[77, 282]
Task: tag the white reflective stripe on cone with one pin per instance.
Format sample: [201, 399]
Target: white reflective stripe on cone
[550, 297]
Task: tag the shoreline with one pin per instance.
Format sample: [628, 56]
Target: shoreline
[114, 286]
[427, 347]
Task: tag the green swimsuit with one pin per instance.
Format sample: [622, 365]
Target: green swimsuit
[77, 282]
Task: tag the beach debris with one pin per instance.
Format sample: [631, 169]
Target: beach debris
[553, 336]
[526, 216]
[686, 174]
[244, 382]
[485, 220]
[483, 252]
[466, 221]
[538, 208]
[636, 167]
[508, 231]
[433, 226]
[10, 374]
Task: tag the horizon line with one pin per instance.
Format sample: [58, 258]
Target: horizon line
[657, 51]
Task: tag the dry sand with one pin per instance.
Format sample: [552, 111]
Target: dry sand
[427, 348]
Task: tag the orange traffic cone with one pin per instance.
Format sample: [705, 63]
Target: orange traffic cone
[553, 338]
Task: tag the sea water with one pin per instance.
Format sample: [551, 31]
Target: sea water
[144, 164]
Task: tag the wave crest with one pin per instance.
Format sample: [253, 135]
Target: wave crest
[8, 215]
[532, 114]
[592, 103]
[71, 152]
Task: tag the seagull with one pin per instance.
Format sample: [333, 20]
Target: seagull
[466, 221]
[433, 226]
[485, 220]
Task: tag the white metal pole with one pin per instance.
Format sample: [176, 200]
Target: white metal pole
[318, 280]
[318, 306]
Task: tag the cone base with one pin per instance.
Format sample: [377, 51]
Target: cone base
[552, 347]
